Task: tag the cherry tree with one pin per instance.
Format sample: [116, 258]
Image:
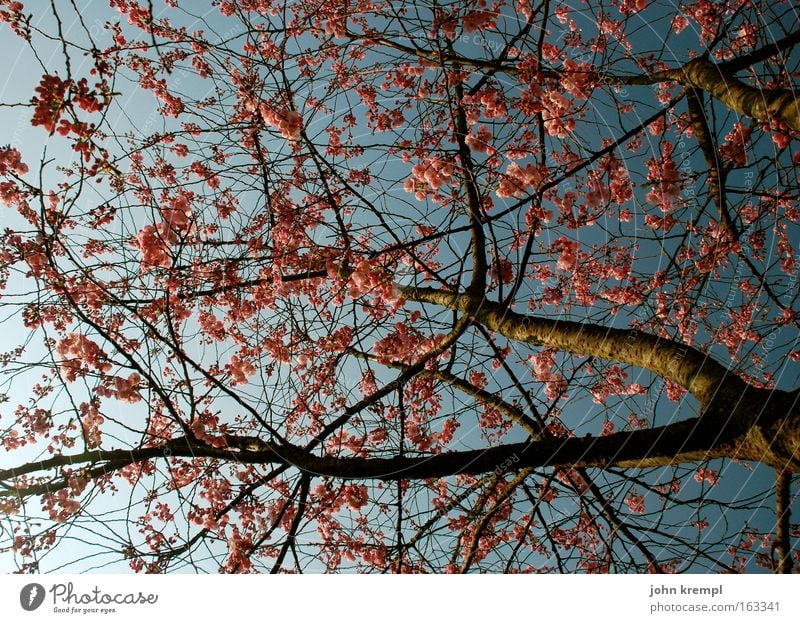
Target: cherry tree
[401, 286]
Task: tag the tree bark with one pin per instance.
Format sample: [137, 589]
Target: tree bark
[764, 105]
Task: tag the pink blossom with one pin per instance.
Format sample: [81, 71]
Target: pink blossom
[91, 421]
[542, 365]
[629, 7]
[478, 379]
[240, 370]
[202, 427]
[370, 277]
[612, 384]
[635, 502]
[60, 506]
[178, 211]
[212, 326]
[401, 345]
[733, 149]
[517, 180]
[355, 496]
[153, 242]
[481, 141]
[679, 23]
[476, 21]
[289, 122]
[11, 161]
[49, 102]
[124, 390]
[502, 271]
[665, 179]
[703, 474]
[556, 114]
[578, 78]
[569, 253]
[434, 172]
[77, 349]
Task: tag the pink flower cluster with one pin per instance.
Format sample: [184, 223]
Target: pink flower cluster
[477, 20]
[355, 496]
[276, 347]
[502, 271]
[153, 242]
[556, 114]
[178, 211]
[489, 100]
[704, 474]
[739, 330]
[11, 161]
[401, 345]
[717, 243]
[629, 7]
[517, 179]
[213, 328]
[620, 183]
[239, 549]
[478, 379]
[433, 173]
[600, 193]
[11, 13]
[288, 122]
[578, 78]
[733, 150]
[679, 23]
[124, 390]
[49, 102]
[543, 365]
[60, 506]
[370, 277]
[738, 41]
[635, 502]
[481, 141]
[613, 384]
[569, 253]
[240, 370]
[204, 173]
[708, 15]
[418, 433]
[77, 350]
[665, 179]
[91, 421]
[202, 428]
[347, 441]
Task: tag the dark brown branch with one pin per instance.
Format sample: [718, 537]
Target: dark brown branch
[685, 441]
[761, 54]
[295, 526]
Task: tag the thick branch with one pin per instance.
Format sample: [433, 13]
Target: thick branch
[684, 441]
[763, 105]
[761, 54]
[685, 365]
[716, 172]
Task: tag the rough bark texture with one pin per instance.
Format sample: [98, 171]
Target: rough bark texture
[761, 104]
[687, 366]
